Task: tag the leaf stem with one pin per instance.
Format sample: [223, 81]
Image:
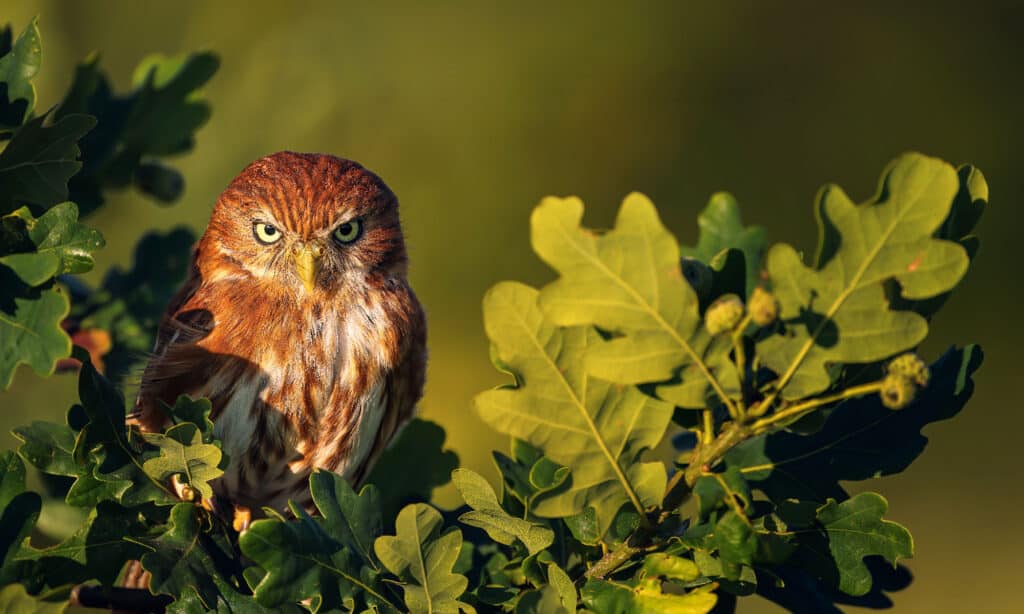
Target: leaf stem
[800, 409]
[741, 365]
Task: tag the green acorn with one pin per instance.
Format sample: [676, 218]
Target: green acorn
[724, 314]
[910, 366]
[763, 307]
[897, 391]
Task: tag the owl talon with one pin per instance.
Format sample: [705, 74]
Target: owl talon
[181, 489]
[243, 518]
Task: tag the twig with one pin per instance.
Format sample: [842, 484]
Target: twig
[119, 599]
[808, 406]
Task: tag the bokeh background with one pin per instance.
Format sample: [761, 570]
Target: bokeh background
[472, 112]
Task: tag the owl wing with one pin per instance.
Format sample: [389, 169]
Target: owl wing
[403, 388]
[163, 378]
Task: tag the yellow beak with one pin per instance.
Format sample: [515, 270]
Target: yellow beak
[307, 265]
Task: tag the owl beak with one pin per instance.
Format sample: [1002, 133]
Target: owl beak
[307, 265]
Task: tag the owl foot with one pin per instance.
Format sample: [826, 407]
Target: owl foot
[243, 518]
[181, 489]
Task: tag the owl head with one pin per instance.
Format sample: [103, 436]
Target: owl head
[309, 223]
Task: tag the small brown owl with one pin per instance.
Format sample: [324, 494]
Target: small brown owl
[298, 323]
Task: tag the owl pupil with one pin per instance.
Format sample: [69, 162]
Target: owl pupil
[270, 230]
[345, 228]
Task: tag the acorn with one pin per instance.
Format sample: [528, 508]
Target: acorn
[910, 366]
[763, 307]
[897, 391]
[724, 314]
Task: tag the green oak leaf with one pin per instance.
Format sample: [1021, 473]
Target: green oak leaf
[18, 66]
[610, 597]
[721, 228]
[303, 561]
[837, 311]
[353, 520]
[488, 514]
[401, 482]
[14, 599]
[833, 547]
[57, 243]
[96, 551]
[182, 452]
[30, 333]
[422, 558]
[627, 281]
[37, 163]
[595, 428]
[860, 440]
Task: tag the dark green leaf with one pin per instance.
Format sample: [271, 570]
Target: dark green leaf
[721, 227]
[17, 69]
[18, 514]
[352, 520]
[37, 163]
[401, 482]
[833, 547]
[97, 551]
[861, 439]
[30, 333]
[302, 561]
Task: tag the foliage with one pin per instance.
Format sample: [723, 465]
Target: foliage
[774, 376]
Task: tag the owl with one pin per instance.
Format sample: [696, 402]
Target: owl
[297, 321]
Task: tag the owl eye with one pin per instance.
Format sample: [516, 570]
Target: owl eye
[265, 233]
[348, 232]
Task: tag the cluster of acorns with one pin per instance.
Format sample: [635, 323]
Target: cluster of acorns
[726, 313]
[905, 374]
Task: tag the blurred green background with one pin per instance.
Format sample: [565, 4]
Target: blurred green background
[473, 112]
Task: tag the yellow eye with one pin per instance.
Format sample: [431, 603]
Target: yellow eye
[348, 232]
[265, 233]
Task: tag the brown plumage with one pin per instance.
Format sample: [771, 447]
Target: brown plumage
[298, 323]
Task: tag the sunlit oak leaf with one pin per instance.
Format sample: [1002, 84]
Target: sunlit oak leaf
[838, 312]
[37, 249]
[182, 452]
[612, 597]
[16, 600]
[422, 557]
[627, 281]
[595, 428]
[488, 515]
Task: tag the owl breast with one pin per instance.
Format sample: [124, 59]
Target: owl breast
[293, 411]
